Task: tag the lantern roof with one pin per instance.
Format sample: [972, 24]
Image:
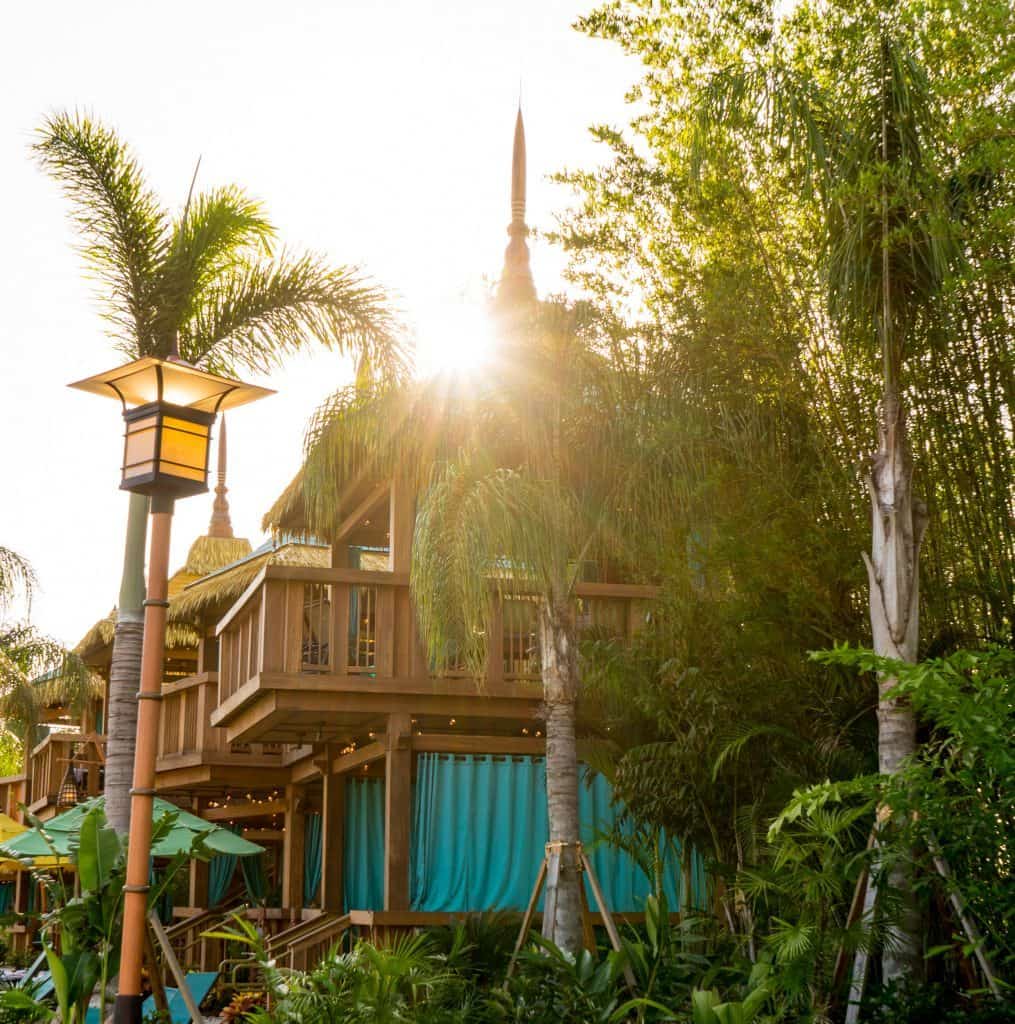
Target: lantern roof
[173, 381]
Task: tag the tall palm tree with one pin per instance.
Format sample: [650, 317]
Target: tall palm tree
[863, 142]
[517, 492]
[208, 285]
[35, 670]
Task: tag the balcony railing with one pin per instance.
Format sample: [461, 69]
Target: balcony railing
[184, 728]
[48, 763]
[12, 794]
[346, 622]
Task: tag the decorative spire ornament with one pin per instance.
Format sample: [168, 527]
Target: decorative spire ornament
[516, 286]
[221, 525]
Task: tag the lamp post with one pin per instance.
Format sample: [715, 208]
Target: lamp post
[169, 407]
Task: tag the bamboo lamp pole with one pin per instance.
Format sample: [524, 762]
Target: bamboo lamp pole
[169, 407]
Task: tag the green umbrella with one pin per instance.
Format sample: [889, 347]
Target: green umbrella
[179, 839]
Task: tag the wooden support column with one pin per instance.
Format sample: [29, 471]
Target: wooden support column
[397, 812]
[292, 855]
[333, 843]
[401, 522]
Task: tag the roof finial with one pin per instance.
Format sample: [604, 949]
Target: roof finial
[516, 278]
[221, 525]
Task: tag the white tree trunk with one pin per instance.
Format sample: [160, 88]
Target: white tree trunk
[562, 918]
[898, 523]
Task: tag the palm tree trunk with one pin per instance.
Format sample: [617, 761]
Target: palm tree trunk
[899, 523]
[562, 916]
[125, 670]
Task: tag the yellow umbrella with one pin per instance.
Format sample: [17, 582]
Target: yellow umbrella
[9, 828]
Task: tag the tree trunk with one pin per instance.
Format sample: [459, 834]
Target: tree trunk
[898, 523]
[562, 916]
[125, 670]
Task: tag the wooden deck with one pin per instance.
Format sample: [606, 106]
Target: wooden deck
[194, 756]
[316, 655]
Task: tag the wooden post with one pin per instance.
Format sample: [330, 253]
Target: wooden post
[292, 852]
[397, 812]
[333, 844]
[401, 523]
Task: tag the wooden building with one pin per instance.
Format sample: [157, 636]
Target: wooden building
[297, 692]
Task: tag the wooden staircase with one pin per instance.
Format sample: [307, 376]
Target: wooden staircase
[306, 943]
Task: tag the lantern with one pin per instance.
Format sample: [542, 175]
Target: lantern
[168, 408]
[68, 795]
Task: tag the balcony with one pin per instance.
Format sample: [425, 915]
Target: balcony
[48, 763]
[194, 756]
[314, 655]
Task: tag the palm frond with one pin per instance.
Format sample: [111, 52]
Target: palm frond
[124, 228]
[220, 234]
[17, 578]
[257, 314]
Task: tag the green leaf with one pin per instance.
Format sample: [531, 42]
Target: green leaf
[98, 851]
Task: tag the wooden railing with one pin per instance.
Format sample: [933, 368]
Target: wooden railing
[12, 794]
[297, 620]
[48, 763]
[184, 727]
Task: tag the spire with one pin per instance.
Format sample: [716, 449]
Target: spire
[221, 525]
[516, 278]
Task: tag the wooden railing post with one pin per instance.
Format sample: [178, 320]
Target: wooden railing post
[397, 812]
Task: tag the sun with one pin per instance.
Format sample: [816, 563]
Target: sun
[454, 337]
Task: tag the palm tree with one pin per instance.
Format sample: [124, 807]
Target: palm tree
[209, 286]
[863, 144]
[518, 494]
[35, 670]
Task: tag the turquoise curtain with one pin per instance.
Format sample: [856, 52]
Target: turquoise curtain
[312, 851]
[6, 896]
[220, 874]
[255, 879]
[479, 828]
[364, 844]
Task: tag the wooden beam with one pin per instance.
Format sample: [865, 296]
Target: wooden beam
[240, 810]
[401, 523]
[333, 844]
[357, 758]
[397, 811]
[363, 509]
[464, 743]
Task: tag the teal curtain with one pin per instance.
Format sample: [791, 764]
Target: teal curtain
[312, 851]
[479, 828]
[164, 905]
[255, 879]
[6, 896]
[364, 844]
[220, 874]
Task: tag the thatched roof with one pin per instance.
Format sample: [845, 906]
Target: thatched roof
[216, 591]
[288, 512]
[97, 643]
[206, 555]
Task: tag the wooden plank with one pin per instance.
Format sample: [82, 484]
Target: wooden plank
[241, 602]
[495, 644]
[272, 615]
[401, 523]
[469, 743]
[449, 686]
[292, 658]
[384, 658]
[313, 574]
[333, 843]
[397, 811]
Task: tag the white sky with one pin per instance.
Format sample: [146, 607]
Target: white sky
[377, 133]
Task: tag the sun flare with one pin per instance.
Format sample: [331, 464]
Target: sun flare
[456, 337]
